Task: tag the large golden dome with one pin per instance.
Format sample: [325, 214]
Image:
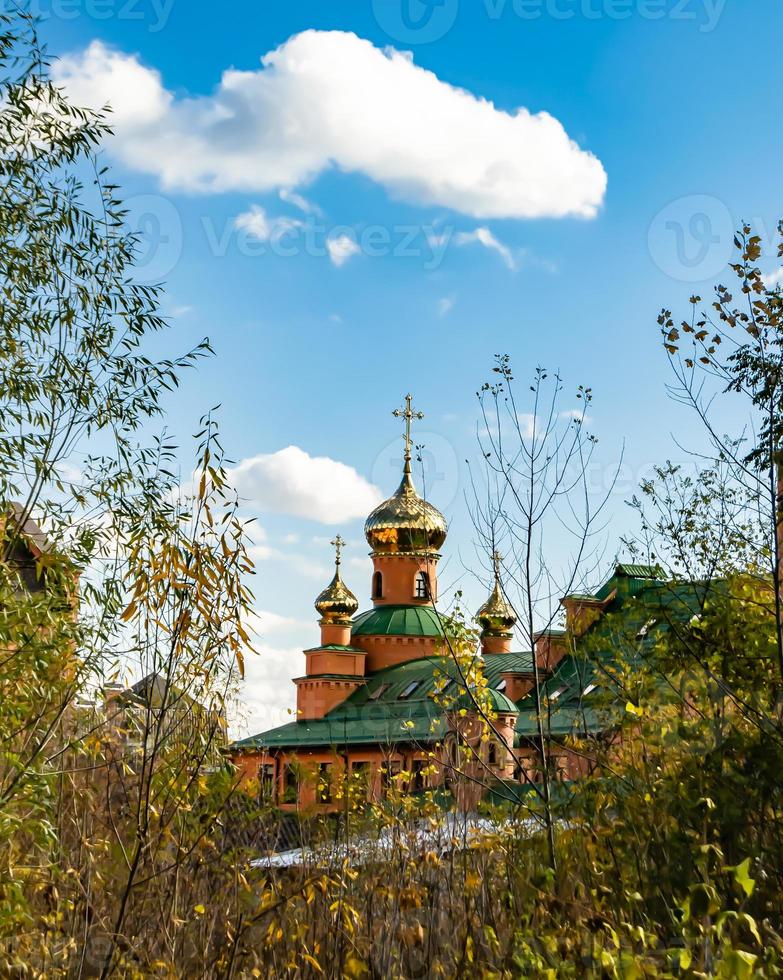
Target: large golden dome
[405, 524]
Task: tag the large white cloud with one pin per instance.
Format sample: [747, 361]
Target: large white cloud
[292, 482]
[331, 99]
[266, 696]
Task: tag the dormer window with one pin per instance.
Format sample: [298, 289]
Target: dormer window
[421, 588]
[377, 586]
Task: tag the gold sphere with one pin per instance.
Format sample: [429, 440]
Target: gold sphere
[496, 617]
[337, 605]
[405, 524]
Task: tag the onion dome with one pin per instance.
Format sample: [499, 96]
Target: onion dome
[496, 617]
[337, 604]
[405, 523]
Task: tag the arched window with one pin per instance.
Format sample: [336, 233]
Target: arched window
[422, 586]
[377, 586]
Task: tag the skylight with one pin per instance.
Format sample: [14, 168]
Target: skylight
[501, 686]
[589, 689]
[381, 689]
[555, 695]
[409, 689]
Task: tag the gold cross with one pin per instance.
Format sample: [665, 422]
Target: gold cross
[338, 544]
[409, 415]
[497, 558]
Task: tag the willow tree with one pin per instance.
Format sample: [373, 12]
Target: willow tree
[108, 566]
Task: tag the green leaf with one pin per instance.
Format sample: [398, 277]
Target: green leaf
[741, 874]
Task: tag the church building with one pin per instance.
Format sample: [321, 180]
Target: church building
[383, 696]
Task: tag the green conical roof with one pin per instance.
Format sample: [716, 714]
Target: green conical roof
[489, 699]
[398, 621]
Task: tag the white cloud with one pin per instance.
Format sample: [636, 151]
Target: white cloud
[257, 223]
[445, 305]
[267, 698]
[329, 99]
[483, 236]
[527, 424]
[292, 482]
[341, 249]
[298, 201]
[773, 279]
[264, 622]
[578, 415]
[181, 310]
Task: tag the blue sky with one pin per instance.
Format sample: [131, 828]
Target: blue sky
[677, 101]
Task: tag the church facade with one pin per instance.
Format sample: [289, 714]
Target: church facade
[384, 698]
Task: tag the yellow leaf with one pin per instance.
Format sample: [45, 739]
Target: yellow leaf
[129, 612]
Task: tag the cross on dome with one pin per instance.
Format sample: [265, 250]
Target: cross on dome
[338, 544]
[409, 414]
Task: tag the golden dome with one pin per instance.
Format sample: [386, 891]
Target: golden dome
[496, 616]
[337, 604]
[405, 524]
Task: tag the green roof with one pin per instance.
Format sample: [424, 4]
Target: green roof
[336, 646]
[398, 621]
[496, 701]
[579, 697]
[639, 571]
[381, 711]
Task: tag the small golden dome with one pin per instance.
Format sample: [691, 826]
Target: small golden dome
[496, 617]
[337, 605]
[405, 524]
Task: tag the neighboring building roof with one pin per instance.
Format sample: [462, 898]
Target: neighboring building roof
[398, 621]
[29, 529]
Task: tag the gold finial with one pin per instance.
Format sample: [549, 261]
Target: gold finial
[497, 616]
[338, 544]
[409, 414]
[337, 604]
